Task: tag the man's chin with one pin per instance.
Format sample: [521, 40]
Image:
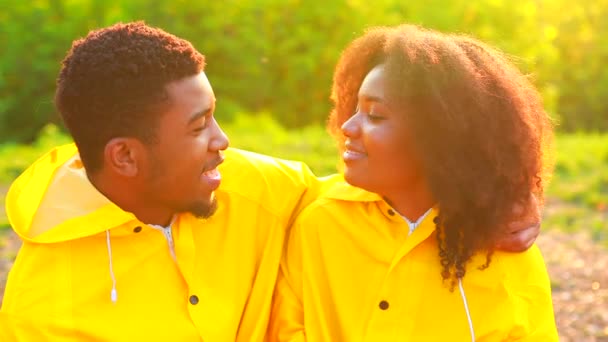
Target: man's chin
[204, 209]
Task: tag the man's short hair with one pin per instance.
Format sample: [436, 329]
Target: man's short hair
[112, 84]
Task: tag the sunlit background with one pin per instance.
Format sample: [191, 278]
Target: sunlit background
[271, 62]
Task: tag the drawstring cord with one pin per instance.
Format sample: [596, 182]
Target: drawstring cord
[412, 227]
[113, 293]
[168, 235]
[466, 308]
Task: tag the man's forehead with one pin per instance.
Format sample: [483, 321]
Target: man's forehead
[198, 82]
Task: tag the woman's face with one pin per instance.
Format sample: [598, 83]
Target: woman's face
[379, 154]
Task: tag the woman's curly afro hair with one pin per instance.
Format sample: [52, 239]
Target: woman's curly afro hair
[478, 123]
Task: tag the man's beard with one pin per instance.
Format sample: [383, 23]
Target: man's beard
[204, 209]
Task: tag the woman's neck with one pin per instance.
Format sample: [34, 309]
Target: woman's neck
[412, 202]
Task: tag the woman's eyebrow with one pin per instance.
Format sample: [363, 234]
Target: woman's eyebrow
[370, 98]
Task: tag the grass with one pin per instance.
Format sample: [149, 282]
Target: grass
[578, 193]
[577, 196]
[262, 134]
[14, 158]
[581, 170]
[3, 219]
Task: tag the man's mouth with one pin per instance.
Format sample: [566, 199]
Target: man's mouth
[212, 174]
[212, 166]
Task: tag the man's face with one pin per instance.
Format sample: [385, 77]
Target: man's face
[180, 171]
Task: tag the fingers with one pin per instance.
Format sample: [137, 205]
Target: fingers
[519, 241]
[524, 228]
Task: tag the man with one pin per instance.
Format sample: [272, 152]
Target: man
[130, 236]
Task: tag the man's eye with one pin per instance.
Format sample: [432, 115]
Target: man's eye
[201, 127]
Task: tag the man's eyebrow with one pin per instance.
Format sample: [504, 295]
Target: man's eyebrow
[198, 115]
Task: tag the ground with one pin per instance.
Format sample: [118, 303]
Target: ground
[579, 275]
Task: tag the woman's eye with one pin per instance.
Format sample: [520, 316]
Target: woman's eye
[375, 117]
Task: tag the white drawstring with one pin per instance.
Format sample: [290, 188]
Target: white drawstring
[168, 234]
[413, 225]
[113, 293]
[466, 308]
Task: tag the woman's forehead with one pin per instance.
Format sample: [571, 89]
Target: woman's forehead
[373, 85]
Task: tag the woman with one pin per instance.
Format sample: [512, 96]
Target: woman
[441, 137]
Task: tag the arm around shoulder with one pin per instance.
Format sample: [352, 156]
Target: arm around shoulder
[535, 301]
[287, 316]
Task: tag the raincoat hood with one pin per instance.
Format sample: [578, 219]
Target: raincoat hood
[54, 201]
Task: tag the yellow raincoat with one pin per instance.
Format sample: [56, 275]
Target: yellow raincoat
[352, 273]
[88, 271]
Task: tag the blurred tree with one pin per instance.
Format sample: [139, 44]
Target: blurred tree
[277, 56]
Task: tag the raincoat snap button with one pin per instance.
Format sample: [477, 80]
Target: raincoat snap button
[383, 305]
[137, 229]
[193, 300]
[391, 212]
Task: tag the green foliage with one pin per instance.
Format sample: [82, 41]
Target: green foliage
[581, 170]
[578, 192]
[264, 135]
[14, 158]
[278, 56]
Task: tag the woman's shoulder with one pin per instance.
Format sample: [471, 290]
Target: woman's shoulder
[513, 270]
[525, 268]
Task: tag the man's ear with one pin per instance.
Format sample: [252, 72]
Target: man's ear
[122, 155]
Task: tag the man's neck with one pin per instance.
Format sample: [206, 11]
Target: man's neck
[126, 197]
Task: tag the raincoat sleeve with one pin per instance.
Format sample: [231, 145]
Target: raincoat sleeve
[287, 316]
[530, 290]
[14, 328]
[536, 305]
[315, 187]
